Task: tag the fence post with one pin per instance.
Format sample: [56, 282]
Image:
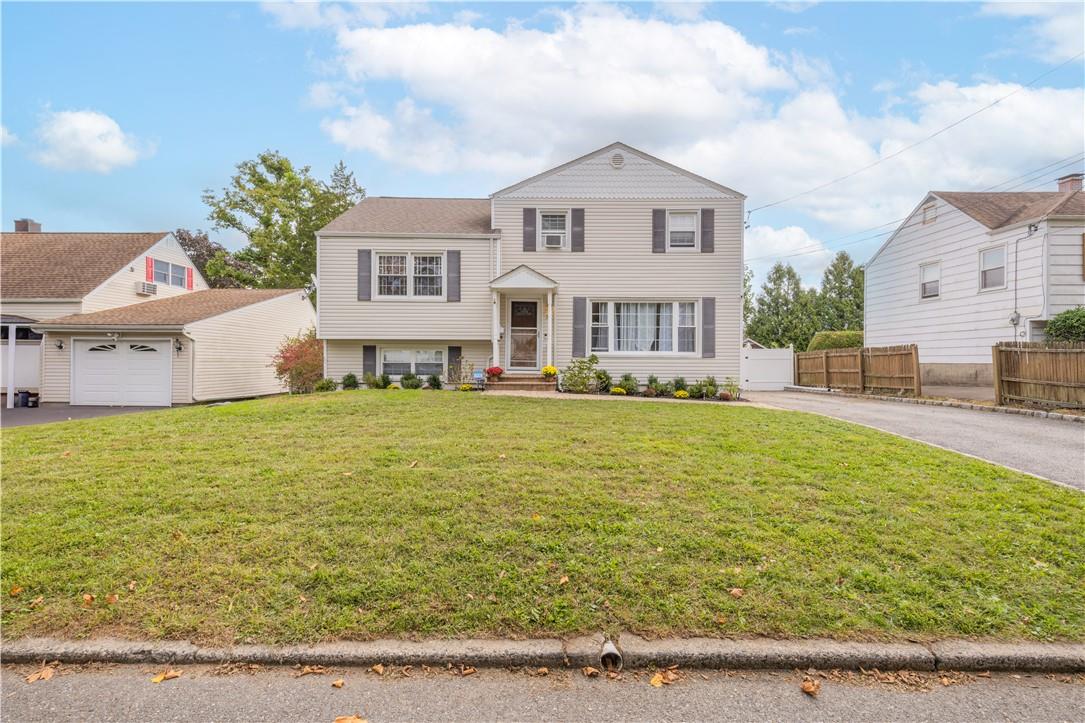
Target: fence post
[825, 367]
[996, 373]
[915, 370]
[862, 372]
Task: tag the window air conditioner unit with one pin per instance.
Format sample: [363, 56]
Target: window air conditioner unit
[553, 240]
[146, 288]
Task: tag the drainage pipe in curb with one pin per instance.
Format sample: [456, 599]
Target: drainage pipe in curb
[610, 657]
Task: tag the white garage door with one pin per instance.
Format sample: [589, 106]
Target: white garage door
[121, 373]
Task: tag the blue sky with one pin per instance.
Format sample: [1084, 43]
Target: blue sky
[116, 116]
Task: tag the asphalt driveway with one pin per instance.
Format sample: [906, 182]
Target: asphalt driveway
[1047, 448]
[22, 416]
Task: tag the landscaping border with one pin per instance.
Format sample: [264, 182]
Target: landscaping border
[943, 403]
[751, 654]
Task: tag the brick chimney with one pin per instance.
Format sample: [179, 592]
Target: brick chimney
[29, 225]
[1069, 183]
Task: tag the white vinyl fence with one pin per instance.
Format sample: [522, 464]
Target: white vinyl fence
[27, 365]
[767, 369]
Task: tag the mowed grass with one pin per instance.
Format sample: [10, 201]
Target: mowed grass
[398, 513]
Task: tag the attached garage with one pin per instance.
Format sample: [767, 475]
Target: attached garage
[203, 346]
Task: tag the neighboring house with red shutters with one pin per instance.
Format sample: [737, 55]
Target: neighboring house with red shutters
[125, 302]
[615, 253]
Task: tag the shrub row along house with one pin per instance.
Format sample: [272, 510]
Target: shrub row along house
[617, 254]
[125, 319]
[965, 271]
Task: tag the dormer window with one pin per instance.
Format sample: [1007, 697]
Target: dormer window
[553, 229]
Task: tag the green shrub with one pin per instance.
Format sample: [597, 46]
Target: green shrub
[1068, 325]
[433, 381]
[374, 382]
[696, 390]
[299, 362]
[730, 386]
[603, 380]
[629, 383]
[580, 376]
[850, 339]
[653, 382]
[678, 384]
[350, 381]
[384, 382]
[665, 389]
[325, 385]
[410, 381]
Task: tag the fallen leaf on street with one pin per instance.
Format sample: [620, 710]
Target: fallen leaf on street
[45, 673]
[378, 669]
[312, 670]
[349, 719]
[15, 590]
[811, 686]
[736, 592]
[337, 683]
[168, 674]
[542, 671]
[589, 672]
[657, 680]
[467, 670]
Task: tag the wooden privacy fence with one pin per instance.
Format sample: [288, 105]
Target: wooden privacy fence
[1039, 372]
[881, 368]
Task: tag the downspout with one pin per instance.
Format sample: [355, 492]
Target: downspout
[191, 365]
[11, 366]
[1015, 317]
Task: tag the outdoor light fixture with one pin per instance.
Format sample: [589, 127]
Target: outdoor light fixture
[178, 346]
[59, 344]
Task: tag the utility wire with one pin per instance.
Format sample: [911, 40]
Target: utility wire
[907, 148]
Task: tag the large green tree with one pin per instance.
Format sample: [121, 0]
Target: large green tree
[840, 301]
[279, 208]
[748, 300]
[202, 250]
[785, 312]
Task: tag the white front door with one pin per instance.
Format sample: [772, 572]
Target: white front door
[123, 372]
[523, 346]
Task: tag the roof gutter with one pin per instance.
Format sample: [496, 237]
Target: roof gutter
[376, 234]
[40, 301]
[163, 328]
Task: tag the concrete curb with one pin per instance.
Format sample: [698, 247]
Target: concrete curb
[759, 653]
[944, 403]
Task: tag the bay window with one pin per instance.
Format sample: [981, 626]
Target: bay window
[421, 362]
[644, 327]
[409, 275]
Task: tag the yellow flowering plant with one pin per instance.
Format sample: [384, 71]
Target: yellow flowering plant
[549, 371]
[466, 387]
[681, 394]
[618, 391]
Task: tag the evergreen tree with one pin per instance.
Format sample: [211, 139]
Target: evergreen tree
[785, 312]
[840, 302]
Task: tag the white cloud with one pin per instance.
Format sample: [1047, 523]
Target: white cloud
[312, 15]
[794, 7]
[681, 10]
[6, 136]
[1057, 30]
[86, 140]
[765, 244]
[324, 95]
[800, 30]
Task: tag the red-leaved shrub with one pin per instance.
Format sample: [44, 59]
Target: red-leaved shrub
[299, 363]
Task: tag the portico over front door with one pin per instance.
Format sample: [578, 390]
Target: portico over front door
[523, 335]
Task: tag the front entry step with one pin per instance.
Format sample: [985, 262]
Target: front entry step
[523, 383]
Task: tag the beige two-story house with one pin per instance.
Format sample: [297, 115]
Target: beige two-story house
[616, 253]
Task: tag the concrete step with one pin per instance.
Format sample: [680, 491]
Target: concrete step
[522, 386]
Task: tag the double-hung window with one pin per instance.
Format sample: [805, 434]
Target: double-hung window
[993, 268]
[644, 327]
[410, 275]
[682, 229]
[421, 362]
[169, 274]
[930, 280]
[553, 226]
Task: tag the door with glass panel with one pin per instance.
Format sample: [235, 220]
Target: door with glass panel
[523, 334]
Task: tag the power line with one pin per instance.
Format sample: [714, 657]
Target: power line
[937, 133]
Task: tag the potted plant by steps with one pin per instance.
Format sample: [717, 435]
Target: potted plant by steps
[494, 373]
[549, 372]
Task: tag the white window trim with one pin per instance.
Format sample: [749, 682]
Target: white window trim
[922, 266]
[979, 266]
[413, 349]
[170, 266]
[539, 213]
[696, 247]
[375, 275]
[612, 319]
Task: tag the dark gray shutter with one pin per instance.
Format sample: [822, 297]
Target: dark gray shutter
[577, 243]
[659, 230]
[708, 230]
[453, 259]
[580, 325]
[455, 353]
[369, 359]
[365, 272]
[529, 229]
[708, 327]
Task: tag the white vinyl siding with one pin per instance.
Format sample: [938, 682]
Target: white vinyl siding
[120, 289]
[343, 356]
[41, 310]
[1065, 266]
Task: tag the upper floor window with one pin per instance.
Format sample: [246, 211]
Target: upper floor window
[410, 275]
[170, 274]
[930, 213]
[993, 268]
[682, 229]
[639, 327]
[553, 229]
[930, 280]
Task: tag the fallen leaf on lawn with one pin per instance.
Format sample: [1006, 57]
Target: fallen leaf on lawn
[131, 586]
[589, 672]
[659, 549]
[811, 686]
[470, 596]
[378, 669]
[720, 620]
[44, 674]
[168, 674]
[349, 719]
[536, 517]
[15, 590]
[87, 599]
[736, 592]
[312, 670]
[501, 456]
[111, 598]
[67, 453]
[37, 601]
[302, 598]
[337, 683]
[657, 680]
[348, 474]
[413, 464]
[467, 670]
[564, 579]
[491, 597]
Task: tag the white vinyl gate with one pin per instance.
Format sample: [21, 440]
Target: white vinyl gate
[767, 369]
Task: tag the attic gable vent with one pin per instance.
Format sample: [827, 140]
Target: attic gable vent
[617, 160]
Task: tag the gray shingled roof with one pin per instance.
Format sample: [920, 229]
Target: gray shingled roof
[391, 214]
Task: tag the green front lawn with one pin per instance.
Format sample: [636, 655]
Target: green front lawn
[399, 513]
